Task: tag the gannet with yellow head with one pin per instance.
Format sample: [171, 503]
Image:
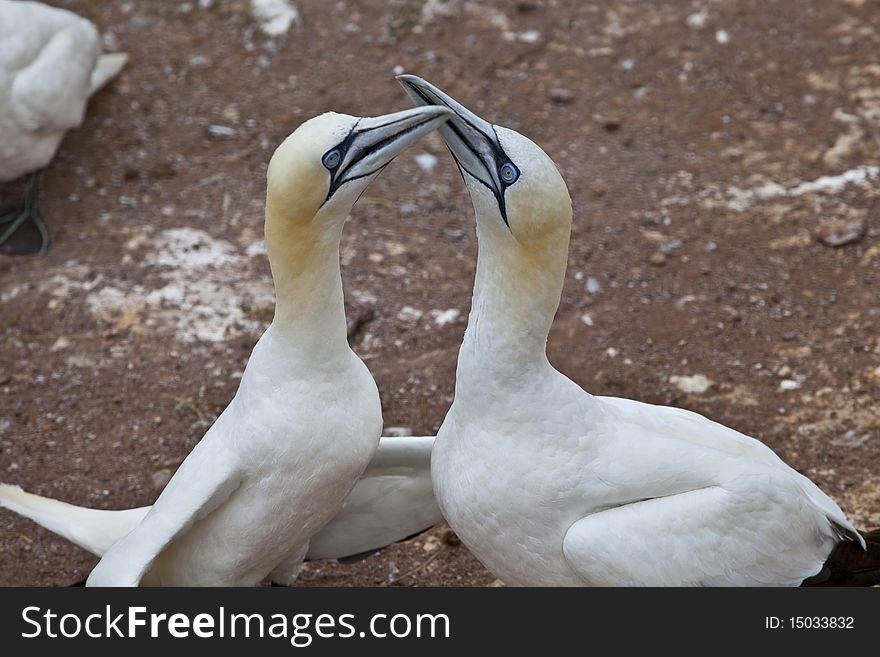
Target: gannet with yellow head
[279, 462]
[551, 486]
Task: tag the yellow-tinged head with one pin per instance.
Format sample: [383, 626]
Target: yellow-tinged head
[523, 213]
[317, 174]
[517, 191]
[324, 165]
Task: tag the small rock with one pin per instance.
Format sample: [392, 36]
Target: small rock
[691, 385]
[409, 314]
[426, 162]
[697, 20]
[592, 286]
[397, 432]
[431, 544]
[356, 316]
[838, 232]
[783, 372]
[231, 113]
[789, 384]
[657, 259]
[60, 343]
[611, 124]
[722, 37]
[528, 36]
[275, 16]
[221, 131]
[561, 96]
[670, 247]
[161, 478]
[451, 538]
[444, 317]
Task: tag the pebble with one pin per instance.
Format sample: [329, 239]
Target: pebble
[60, 343]
[161, 478]
[356, 317]
[397, 432]
[670, 247]
[426, 162]
[444, 317]
[451, 538]
[783, 372]
[561, 95]
[221, 131]
[838, 232]
[697, 20]
[408, 313]
[692, 385]
[657, 259]
[611, 124]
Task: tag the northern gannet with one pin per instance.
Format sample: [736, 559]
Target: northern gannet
[50, 63]
[551, 486]
[279, 462]
[392, 501]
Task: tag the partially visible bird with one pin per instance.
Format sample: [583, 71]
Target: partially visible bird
[551, 486]
[279, 462]
[50, 64]
[392, 501]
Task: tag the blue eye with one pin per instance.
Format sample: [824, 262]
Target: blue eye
[509, 173]
[332, 158]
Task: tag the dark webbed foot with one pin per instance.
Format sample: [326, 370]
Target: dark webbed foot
[21, 228]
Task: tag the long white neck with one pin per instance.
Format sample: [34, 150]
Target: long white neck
[309, 306]
[516, 295]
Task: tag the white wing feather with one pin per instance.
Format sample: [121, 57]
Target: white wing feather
[688, 489]
[392, 500]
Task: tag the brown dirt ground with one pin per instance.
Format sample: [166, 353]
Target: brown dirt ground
[660, 130]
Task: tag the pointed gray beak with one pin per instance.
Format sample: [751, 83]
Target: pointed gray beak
[375, 141]
[473, 141]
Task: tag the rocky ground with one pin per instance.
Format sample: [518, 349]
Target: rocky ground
[722, 157]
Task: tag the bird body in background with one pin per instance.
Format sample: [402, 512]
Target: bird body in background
[551, 486]
[279, 462]
[50, 64]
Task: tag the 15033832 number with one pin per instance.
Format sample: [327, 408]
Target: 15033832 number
[821, 622]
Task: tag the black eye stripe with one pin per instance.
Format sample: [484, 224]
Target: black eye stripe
[342, 147]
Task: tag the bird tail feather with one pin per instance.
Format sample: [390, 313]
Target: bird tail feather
[107, 68]
[94, 530]
[850, 564]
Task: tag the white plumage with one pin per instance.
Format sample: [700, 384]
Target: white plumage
[50, 63]
[549, 485]
[391, 501]
[279, 462]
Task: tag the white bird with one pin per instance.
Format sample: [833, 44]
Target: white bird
[279, 462]
[392, 501]
[50, 63]
[551, 486]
